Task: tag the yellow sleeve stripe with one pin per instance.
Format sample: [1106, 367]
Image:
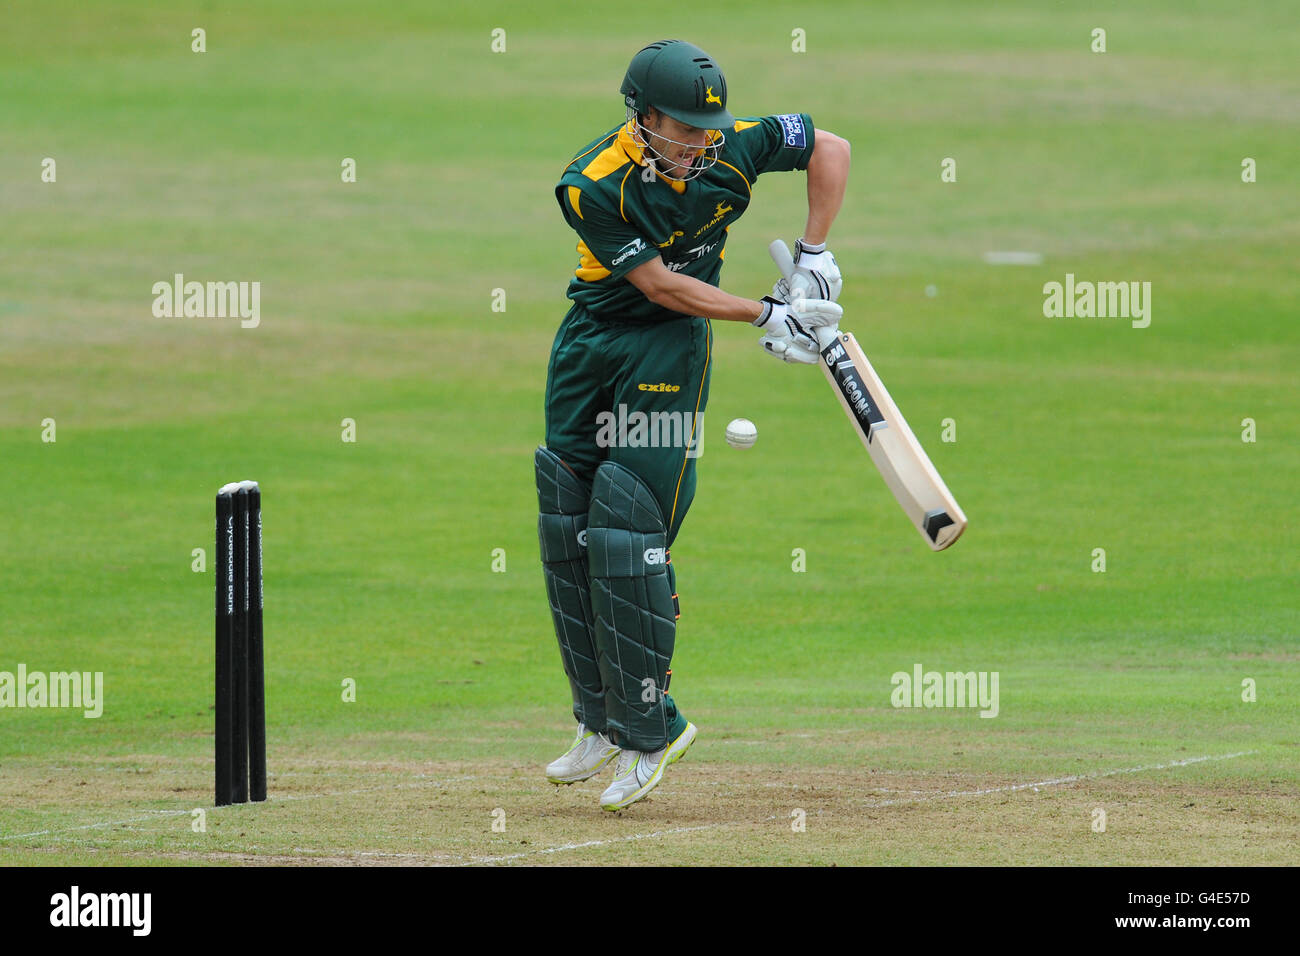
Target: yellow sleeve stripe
[742, 125]
[708, 353]
[589, 268]
[621, 187]
[574, 195]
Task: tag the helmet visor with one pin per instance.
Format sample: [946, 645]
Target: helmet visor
[678, 159]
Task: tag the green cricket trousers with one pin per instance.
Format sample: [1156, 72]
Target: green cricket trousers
[624, 407]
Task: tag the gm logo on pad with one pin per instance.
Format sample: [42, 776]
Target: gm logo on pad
[654, 556]
[795, 137]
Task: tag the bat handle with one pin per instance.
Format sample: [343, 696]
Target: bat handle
[826, 336]
[780, 254]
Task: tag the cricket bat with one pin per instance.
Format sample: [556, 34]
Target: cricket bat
[898, 456]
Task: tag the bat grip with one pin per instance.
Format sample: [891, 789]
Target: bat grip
[780, 254]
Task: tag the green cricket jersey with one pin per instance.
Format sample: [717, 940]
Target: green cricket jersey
[626, 213]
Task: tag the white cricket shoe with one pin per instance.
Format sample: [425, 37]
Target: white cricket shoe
[637, 773]
[589, 753]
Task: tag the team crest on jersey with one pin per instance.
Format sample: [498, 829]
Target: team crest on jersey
[718, 215]
[795, 136]
[677, 234]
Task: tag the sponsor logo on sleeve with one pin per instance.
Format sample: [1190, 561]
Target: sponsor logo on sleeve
[792, 124]
[629, 250]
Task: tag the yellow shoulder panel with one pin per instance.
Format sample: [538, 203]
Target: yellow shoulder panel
[608, 160]
[741, 125]
[575, 194]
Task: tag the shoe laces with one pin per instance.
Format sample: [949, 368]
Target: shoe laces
[625, 760]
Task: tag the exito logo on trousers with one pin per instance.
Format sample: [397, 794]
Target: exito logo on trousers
[624, 429]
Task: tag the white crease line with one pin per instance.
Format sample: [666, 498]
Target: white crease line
[885, 803]
[1061, 780]
[90, 826]
[951, 794]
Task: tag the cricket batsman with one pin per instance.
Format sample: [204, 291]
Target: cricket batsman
[651, 202]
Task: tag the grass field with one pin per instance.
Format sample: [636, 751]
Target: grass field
[1120, 690]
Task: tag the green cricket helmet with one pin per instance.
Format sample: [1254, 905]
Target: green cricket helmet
[681, 80]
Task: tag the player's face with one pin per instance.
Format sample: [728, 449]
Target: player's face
[679, 144]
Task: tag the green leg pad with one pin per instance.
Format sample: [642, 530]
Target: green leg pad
[632, 598]
[563, 501]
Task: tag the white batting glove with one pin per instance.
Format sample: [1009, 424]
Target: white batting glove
[791, 329]
[816, 273]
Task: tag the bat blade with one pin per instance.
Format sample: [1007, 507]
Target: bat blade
[897, 455]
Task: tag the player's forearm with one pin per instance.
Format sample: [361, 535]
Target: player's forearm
[828, 173]
[692, 297]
